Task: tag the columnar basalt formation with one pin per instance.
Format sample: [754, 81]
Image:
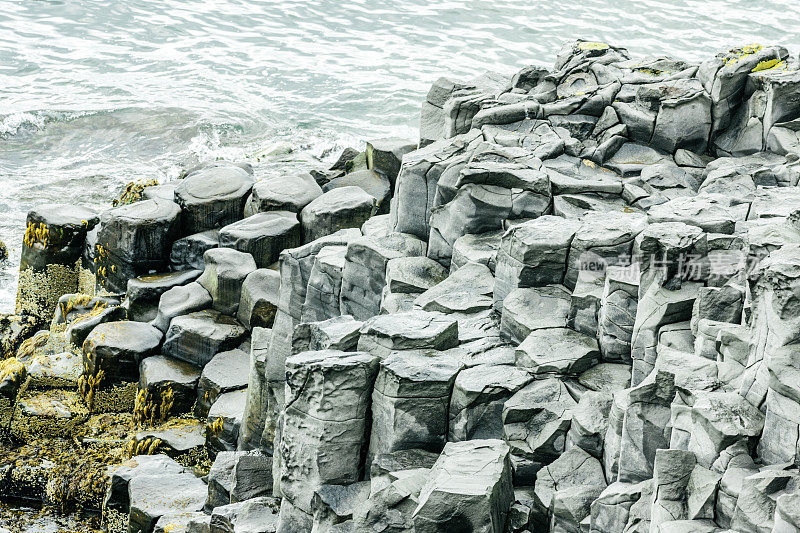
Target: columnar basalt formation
[571, 306]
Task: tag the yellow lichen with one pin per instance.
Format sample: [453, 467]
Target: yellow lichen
[133, 192]
[592, 45]
[36, 233]
[769, 64]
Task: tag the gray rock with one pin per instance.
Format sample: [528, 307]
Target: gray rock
[384, 334]
[339, 208]
[197, 337]
[410, 403]
[386, 155]
[255, 411]
[476, 248]
[220, 480]
[177, 522]
[160, 373]
[445, 505]
[606, 377]
[709, 212]
[117, 348]
[393, 462]
[282, 193]
[618, 313]
[566, 488]
[559, 351]
[531, 309]
[178, 301]
[212, 197]
[467, 290]
[229, 408]
[187, 252]
[392, 501]
[535, 423]
[333, 505]
[612, 508]
[263, 235]
[413, 275]
[257, 515]
[373, 183]
[479, 394]
[339, 333]
[377, 226]
[224, 273]
[251, 476]
[755, 507]
[259, 301]
[324, 427]
[364, 273]
[116, 497]
[133, 240]
[227, 371]
[152, 496]
[82, 315]
[533, 254]
[324, 285]
[144, 292]
[590, 422]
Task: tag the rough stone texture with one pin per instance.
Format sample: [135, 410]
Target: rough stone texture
[179, 301]
[212, 197]
[117, 348]
[259, 301]
[339, 208]
[282, 193]
[144, 292]
[224, 273]
[527, 310]
[187, 252]
[412, 330]
[197, 337]
[263, 235]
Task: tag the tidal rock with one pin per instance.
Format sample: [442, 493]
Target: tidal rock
[479, 394]
[226, 372]
[224, 273]
[333, 506]
[117, 348]
[139, 466]
[263, 235]
[55, 236]
[225, 420]
[159, 374]
[144, 292]
[178, 301]
[255, 412]
[339, 208]
[133, 240]
[259, 302]
[80, 314]
[187, 252]
[469, 488]
[212, 197]
[197, 337]
[282, 193]
[152, 496]
[257, 515]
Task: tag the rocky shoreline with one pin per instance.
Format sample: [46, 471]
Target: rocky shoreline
[570, 306]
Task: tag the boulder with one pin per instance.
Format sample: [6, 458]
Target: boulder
[259, 301]
[410, 403]
[152, 496]
[324, 285]
[138, 466]
[479, 394]
[467, 290]
[255, 411]
[339, 333]
[225, 420]
[384, 334]
[178, 301]
[257, 515]
[386, 155]
[413, 275]
[159, 374]
[373, 183]
[144, 292]
[324, 431]
[560, 351]
[226, 372]
[290, 192]
[534, 308]
[476, 248]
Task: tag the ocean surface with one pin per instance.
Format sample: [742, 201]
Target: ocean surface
[97, 93]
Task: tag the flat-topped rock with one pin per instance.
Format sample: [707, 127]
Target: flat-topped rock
[144, 292]
[187, 252]
[160, 373]
[212, 197]
[178, 301]
[263, 235]
[282, 193]
[339, 208]
[197, 337]
[225, 270]
[526, 310]
[226, 372]
[467, 290]
[259, 301]
[559, 350]
[408, 331]
[117, 348]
